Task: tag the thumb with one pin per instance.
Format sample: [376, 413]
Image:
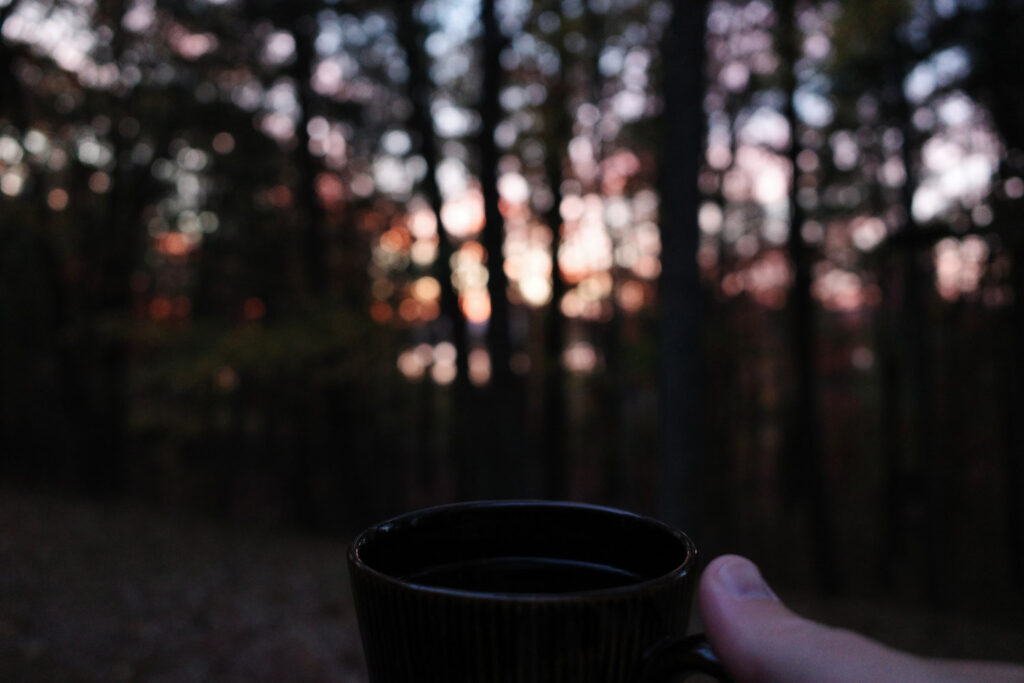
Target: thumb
[758, 639]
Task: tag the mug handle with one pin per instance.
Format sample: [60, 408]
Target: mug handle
[678, 655]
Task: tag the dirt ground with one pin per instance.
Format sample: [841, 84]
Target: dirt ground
[94, 593]
[119, 593]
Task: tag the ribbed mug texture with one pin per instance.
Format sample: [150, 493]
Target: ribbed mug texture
[424, 634]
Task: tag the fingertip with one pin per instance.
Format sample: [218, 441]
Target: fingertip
[739, 610]
[737, 577]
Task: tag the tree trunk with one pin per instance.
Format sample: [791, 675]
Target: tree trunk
[894, 484]
[11, 102]
[682, 469]
[1015, 426]
[310, 211]
[927, 465]
[412, 35]
[503, 406]
[554, 447]
[807, 456]
[1007, 107]
[115, 249]
[10, 108]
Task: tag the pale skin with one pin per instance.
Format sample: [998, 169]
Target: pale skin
[759, 640]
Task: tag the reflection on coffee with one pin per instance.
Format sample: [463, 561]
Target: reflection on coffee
[523, 575]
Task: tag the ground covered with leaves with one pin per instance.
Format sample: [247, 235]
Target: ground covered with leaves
[103, 593]
[120, 593]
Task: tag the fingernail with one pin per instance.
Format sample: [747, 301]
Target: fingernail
[743, 580]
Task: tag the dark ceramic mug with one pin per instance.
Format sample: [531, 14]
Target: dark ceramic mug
[526, 591]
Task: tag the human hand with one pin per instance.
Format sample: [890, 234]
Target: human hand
[759, 640]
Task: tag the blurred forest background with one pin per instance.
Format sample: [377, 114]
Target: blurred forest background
[749, 266]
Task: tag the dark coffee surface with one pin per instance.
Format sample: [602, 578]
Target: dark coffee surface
[535, 575]
[467, 532]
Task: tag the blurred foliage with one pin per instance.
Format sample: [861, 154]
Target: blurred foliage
[219, 252]
[326, 346]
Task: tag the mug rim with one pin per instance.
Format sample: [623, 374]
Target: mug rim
[367, 535]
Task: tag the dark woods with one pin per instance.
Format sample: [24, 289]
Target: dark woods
[291, 263]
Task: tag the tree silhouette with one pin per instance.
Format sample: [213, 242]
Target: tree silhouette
[682, 465]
